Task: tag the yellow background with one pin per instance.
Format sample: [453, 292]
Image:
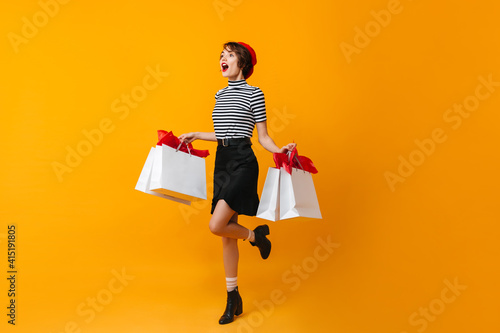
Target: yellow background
[354, 116]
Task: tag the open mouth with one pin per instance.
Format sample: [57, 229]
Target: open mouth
[225, 67]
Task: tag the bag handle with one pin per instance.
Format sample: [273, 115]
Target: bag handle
[288, 153]
[180, 144]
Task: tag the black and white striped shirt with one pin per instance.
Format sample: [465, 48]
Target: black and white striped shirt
[237, 108]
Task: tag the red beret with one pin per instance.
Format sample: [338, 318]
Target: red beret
[254, 58]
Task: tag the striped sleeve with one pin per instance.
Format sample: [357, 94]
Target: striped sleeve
[258, 105]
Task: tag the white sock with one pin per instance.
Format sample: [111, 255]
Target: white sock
[250, 233]
[231, 283]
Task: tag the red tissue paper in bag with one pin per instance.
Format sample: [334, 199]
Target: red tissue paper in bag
[169, 139]
[294, 161]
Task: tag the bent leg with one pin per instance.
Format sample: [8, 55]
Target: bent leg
[220, 226]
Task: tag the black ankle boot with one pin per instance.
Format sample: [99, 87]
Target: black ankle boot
[261, 241]
[234, 307]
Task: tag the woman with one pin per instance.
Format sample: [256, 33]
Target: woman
[238, 109]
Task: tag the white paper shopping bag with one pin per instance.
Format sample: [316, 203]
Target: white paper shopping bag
[297, 195]
[178, 174]
[143, 184]
[269, 200]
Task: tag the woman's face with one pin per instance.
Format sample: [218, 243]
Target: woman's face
[229, 64]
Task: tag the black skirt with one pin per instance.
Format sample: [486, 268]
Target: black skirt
[235, 178]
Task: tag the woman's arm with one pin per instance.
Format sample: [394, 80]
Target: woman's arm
[267, 142]
[190, 137]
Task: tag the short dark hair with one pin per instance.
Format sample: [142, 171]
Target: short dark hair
[244, 56]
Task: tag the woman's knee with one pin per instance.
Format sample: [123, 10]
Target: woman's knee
[215, 227]
[221, 217]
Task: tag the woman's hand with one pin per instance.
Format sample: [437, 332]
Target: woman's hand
[288, 147]
[188, 137]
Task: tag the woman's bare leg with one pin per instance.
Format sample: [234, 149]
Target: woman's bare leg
[220, 226]
[230, 256]
[230, 252]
